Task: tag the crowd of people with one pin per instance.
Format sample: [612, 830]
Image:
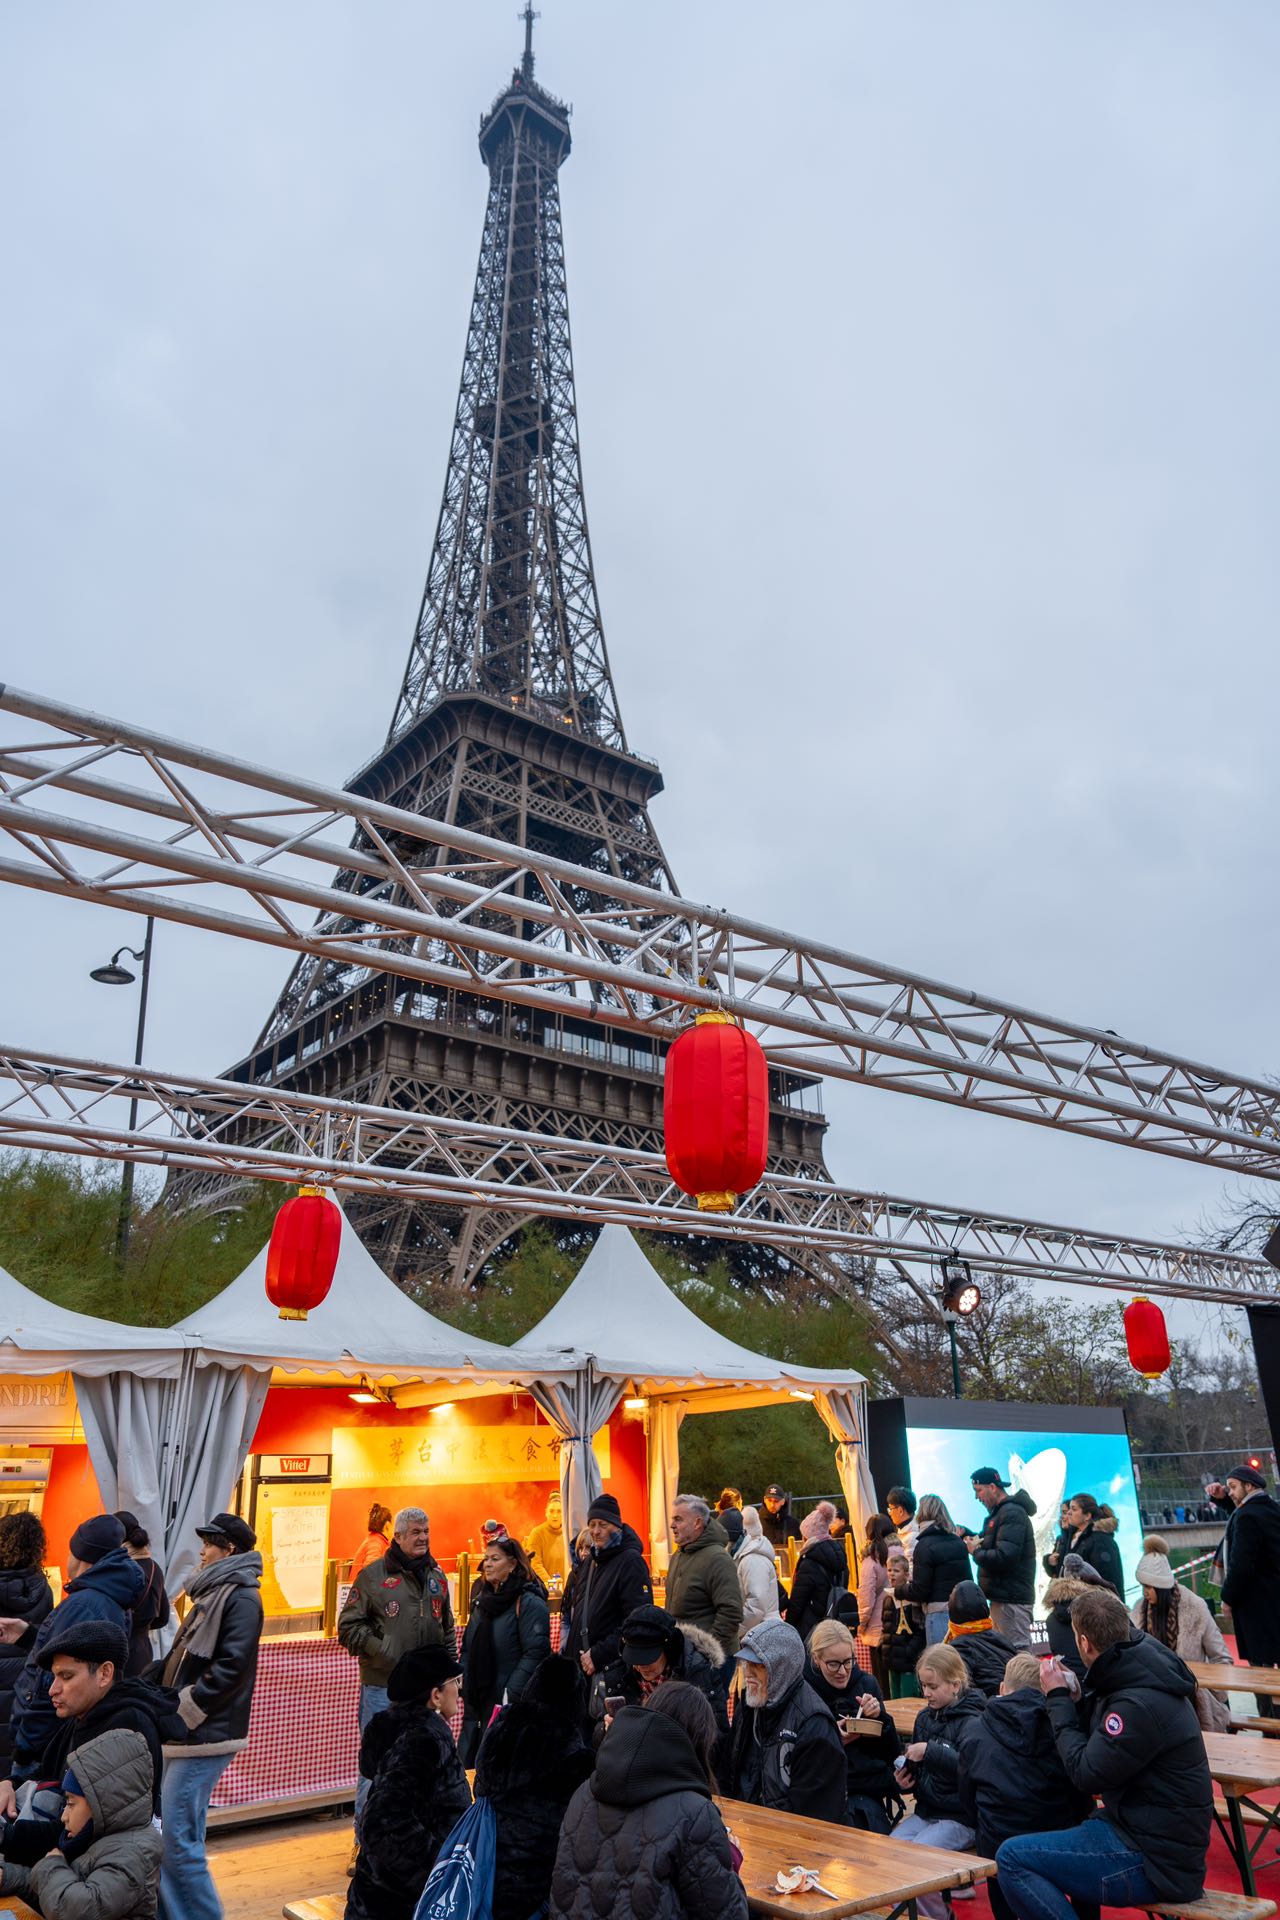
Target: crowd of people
[1080, 1768]
[119, 1722]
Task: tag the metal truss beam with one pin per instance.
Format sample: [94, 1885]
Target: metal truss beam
[52, 1103]
[507, 922]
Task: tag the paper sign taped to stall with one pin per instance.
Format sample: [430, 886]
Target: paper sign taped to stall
[439, 1454]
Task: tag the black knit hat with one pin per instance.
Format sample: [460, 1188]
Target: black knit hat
[605, 1507]
[415, 1673]
[87, 1640]
[1247, 1476]
[94, 1539]
[967, 1603]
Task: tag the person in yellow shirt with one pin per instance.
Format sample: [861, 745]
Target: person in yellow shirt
[546, 1547]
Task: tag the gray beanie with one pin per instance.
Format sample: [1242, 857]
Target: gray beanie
[777, 1648]
[1154, 1569]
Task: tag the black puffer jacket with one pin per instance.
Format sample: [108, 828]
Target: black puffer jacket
[1135, 1742]
[1251, 1587]
[613, 1583]
[25, 1594]
[1012, 1780]
[822, 1567]
[1097, 1548]
[1052, 1561]
[868, 1761]
[903, 1641]
[986, 1654]
[694, 1656]
[947, 1732]
[1005, 1555]
[532, 1761]
[643, 1839]
[418, 1795]
[938, 1565]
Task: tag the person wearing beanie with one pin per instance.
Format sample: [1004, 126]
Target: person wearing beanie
[730, 1519]
[702, 1586]
[103, 1584]
[1177, 1617]
[821, 1568]
[1250, 1553]
[417, 1786]
[613, 1583]
[212, 1666]
[531, 1762]
[757, 1573]
[785, 1750]
[107, 1861]
[972, 1633]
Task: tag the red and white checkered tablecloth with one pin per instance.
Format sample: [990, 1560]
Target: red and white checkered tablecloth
[304, 1732]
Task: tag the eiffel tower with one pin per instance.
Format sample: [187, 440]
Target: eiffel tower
[507, 723]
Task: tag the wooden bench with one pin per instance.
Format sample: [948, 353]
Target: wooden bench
[1217, 1906]
[1256, 1723]
[1250, 1815]
[332, 1906]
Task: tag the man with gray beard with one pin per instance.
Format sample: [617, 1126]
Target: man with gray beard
[785, 1748]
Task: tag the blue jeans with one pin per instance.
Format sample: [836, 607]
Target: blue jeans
[936, 1622]
[187, 1891]
[1041, 1874]
[952, 1835]
[372, 1700]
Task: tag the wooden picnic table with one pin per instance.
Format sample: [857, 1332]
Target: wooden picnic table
[903, 1714]
[1222, 1679]
[1243, 1764]
[861, 1871]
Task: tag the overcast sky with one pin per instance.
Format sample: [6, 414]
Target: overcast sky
[926, 372]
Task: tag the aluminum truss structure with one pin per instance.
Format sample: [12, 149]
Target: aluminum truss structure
[51, 1103]
[213, 842]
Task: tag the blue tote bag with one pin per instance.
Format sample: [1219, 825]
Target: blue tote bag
[460, 1885]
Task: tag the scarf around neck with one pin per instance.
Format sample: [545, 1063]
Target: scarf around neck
[488, 1606]
[209, 1591]
[961, 1627]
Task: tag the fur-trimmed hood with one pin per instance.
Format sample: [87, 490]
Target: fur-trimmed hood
[1105, 1523]
[1061, 1592]
[704, 1643]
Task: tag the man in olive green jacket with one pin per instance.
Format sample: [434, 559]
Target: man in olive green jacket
[702, 1581]
[396, 1603]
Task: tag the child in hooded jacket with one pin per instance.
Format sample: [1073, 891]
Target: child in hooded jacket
[935, 1760]
[108, 1863]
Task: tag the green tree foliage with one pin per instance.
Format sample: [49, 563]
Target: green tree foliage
[58, 1237]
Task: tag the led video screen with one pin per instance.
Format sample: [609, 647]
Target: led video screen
[1049, 1453]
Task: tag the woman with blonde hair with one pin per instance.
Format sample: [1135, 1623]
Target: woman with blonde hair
[944, 1727]
[854, 1696]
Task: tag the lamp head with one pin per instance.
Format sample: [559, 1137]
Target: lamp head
[960, 1292]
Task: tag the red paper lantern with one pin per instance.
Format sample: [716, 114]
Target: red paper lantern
[303, 1253]
[716, 1111]
[1147, 1338]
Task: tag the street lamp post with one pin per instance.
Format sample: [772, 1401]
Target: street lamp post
[114, 975]
[961, 1296]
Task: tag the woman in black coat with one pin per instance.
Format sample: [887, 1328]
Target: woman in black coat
[822, 1567]
[419, 1790]
[24, 1595]
[939, 1561]
[152, 1608]
[1093, 1537]
[508, 1635]
[643, 1836]
[835, 1676]
[532, 1761]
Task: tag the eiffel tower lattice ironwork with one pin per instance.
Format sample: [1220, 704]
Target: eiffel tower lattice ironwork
[507, 723]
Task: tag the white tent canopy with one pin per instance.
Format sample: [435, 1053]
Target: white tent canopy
[36, 1336]
[620, 1314]
[365, 1325]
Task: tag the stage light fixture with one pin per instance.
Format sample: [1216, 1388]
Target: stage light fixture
[960, 1291]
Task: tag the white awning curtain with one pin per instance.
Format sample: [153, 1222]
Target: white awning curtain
[171, 1451]
[577, 1408]
[844, 1414]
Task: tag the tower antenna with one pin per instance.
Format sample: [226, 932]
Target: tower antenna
[528, 16]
